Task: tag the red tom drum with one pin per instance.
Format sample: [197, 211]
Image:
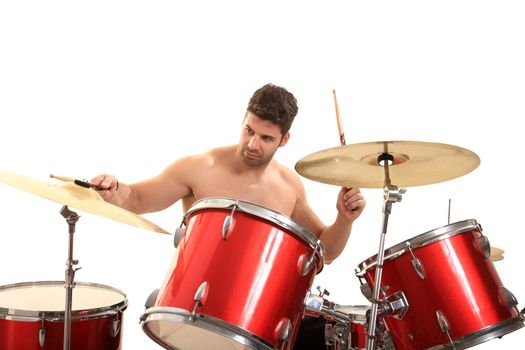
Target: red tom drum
[32, 316]
[454, 294]
[237, 281]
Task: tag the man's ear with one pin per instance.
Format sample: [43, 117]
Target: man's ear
[285, 139]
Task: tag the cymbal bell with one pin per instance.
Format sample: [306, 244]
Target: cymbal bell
[414, 163]
[78, 197]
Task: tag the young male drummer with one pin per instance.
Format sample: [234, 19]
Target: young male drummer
[245, 171]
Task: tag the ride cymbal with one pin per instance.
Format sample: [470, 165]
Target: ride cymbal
[78, 197]
[413, 164]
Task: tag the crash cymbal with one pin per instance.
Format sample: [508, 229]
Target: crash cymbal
[414, 164]
[78, 197]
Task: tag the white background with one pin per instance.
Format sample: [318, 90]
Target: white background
[128, 87]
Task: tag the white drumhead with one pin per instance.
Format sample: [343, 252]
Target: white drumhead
[51, 296]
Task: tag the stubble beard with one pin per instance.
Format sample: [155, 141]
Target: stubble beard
[257, 162]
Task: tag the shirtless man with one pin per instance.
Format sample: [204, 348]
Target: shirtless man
[248, 172]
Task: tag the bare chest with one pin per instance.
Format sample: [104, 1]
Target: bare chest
[270, 191]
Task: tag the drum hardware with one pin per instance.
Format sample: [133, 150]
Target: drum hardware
[42, 334]
[449, 205]
[416, 263]
[200, 298]
[445, 328]
[391, 194]
[152, 298]
[309, 263]
[284, 330]
[336, 336]
[395, 305]
[364, 286]
[71, 218]
[509, 298]
[115, 327]
[484, 245]
[228, 221]
[318, 305]
[179, 232]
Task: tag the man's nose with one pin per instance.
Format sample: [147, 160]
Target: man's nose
[254, 142]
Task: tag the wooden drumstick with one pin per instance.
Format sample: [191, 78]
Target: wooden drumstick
[81, 183]
[339, 123]
[340, 127]
[62, 178]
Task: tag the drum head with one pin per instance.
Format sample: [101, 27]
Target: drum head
[47, 299]
[172, 328]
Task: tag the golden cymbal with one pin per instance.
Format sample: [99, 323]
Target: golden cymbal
[414, 164]
[78, 197]
[496, 254]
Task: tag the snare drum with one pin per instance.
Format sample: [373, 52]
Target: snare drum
[455, 296]
[32, 316]
[238, 280]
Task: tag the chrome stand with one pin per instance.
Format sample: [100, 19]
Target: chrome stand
[71, 218]
[391, 194]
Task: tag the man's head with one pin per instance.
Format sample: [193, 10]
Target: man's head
[276, 104]
[266, 125]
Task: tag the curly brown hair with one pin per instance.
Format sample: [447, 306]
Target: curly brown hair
[276, 104]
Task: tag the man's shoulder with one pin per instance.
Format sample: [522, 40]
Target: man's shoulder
[287, 175]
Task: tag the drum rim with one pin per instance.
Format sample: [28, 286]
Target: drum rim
[485, 334]
[208, 323]
[58, 316]
[420, 241]
[264, 213]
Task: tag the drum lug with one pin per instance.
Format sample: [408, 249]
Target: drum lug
[115, 327]
[509, 298]
[445, 328]
[200, 298]
[42, 334]
[416, 263]
[484, 245]
[284, 330]
[152, 299]
[226, 225]
[366, 290]
[309, 263]
[179, 232]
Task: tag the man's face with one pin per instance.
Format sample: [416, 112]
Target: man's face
[259, 141]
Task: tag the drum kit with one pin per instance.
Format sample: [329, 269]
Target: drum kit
[241, 276]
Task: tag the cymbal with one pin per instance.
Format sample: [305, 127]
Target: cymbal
[78, 197]
[496, 254]
[414, 164]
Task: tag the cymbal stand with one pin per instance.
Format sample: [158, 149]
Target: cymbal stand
[71, 218]
[391, 194]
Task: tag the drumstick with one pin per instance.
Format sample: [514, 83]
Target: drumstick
[339, 123]
[76, 182]
[340, 127]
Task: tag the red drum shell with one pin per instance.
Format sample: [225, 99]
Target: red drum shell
[460, 281]
[91, 329]
[253, 275]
